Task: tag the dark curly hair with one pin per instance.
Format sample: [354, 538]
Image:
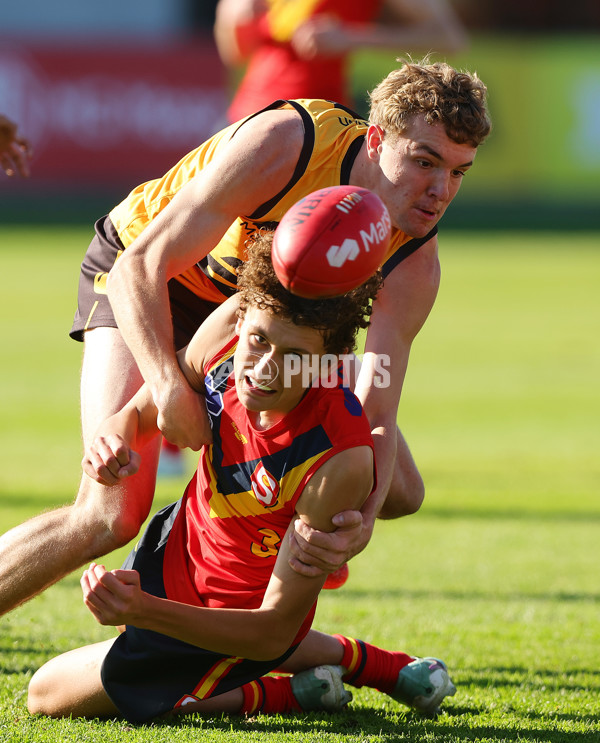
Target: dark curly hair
[439, 92]
[337, 318]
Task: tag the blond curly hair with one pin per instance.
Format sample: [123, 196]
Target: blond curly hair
[438, 92]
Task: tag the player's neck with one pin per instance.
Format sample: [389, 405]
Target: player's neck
[361, 168]
[262, 420]
[265, 419]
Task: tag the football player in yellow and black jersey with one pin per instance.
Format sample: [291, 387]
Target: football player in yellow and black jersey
[170, 252]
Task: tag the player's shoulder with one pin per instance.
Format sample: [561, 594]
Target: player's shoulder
[276, 133]
[342, 415]
[355, 461]
[408, 255]
[320, 107]
[353, 468]
[283, 121]
[305, 115]
[342, 482]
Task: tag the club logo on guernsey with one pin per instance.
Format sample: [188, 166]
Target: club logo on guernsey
[264, 486]
[216, 383]
[238, 434]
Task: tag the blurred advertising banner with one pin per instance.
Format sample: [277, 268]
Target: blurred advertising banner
[101, 115]
[544, 96]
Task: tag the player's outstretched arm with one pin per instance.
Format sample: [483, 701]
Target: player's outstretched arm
[409, 26]
[424, 26]
[399, 312]
[250, 168]
[116, 598]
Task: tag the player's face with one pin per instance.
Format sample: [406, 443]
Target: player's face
[418, 174]
[273, 362]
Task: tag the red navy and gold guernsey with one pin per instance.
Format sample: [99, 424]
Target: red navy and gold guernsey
[333, 135]
[237, 508]
[218, 545]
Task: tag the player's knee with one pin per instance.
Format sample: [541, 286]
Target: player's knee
[41, 695]
[36, 695]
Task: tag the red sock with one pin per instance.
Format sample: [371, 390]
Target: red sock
[269, 695]
[368, 665]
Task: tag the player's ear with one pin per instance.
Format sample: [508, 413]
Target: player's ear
[238, 325]
[374, 139]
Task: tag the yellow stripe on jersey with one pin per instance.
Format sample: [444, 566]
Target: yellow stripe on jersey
[245, 502]
[220, 359]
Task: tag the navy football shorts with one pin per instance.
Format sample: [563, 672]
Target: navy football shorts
[147, 674]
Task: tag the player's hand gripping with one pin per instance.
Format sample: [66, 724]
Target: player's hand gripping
[108, 460]
[114, 598]
[317, 552]
[182, 417]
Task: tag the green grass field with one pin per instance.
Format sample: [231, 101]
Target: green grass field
[498, 573]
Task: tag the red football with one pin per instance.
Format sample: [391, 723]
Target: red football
[331, 241]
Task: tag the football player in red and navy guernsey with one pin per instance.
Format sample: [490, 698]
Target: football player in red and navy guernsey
[208, 600]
